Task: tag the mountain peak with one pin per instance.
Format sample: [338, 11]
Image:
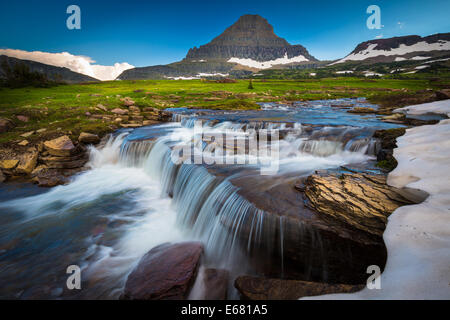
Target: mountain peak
[250, 37]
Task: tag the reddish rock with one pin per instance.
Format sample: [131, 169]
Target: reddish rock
[216, 284]
[23, 118]
[166, 272]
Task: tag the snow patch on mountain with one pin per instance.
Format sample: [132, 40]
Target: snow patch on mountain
[371, 51]
[267, 64]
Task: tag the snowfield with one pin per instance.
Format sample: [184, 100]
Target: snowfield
[372, 51]
[267, 64]
[417, 237]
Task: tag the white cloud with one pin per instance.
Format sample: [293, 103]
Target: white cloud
[80, 64]
[400, 24]
[379, 36]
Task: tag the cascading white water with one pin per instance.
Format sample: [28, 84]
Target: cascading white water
[137, 197]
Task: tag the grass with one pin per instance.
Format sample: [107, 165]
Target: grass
[63, 108]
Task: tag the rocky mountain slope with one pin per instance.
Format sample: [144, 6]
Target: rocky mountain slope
[251, 37]
[51, 72]
[249, 44]
[400, 49]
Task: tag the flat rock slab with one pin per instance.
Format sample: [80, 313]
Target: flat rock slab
[360, 200]
[61, 146]
[166, 272]
[255, 288]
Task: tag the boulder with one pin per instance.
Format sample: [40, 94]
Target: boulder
[6, 125]
[46, 177]
[361, 200]
[255, 288]
[88, 138]
[27, 162]
[61, 146]
[2, 177]
[216, 284]
[166, 272]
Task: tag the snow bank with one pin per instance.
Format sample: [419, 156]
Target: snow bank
[403, 49]
[439, 107]
[267, 64]
[418, 236]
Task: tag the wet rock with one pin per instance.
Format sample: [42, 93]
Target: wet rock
[164, 116]
[61, 146]
[2, 177]
[362, 110]
[88, 138]
[254, 288]
[46, 177]
[6, 125]
[165, 272]
[216, 284]
[27, 162]
[360, 200]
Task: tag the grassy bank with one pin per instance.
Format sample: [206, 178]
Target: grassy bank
[71, 109]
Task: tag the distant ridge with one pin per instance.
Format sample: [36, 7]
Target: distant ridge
[51, 72]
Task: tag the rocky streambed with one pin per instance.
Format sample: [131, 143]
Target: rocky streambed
[142, 226]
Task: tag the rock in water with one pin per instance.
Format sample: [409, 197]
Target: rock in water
[88, 138]
[216, 284]
[254, 288]
[166, 272]
[61, 146]
[360, 200]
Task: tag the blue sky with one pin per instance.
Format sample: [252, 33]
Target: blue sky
[158, 32]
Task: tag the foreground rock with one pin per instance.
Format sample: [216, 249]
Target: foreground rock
[61, 146]
[254, 288]
[166, 272]
[216, 284]
[360, 200]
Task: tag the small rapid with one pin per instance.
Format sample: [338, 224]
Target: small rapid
[139, 193]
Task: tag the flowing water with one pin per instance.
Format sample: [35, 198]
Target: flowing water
[139, 193]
